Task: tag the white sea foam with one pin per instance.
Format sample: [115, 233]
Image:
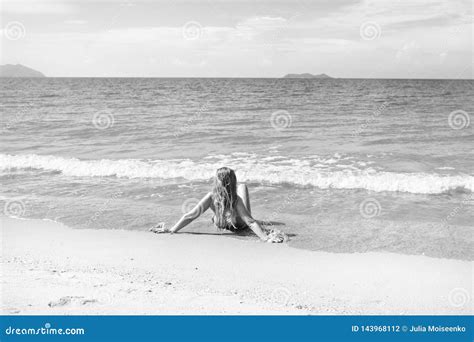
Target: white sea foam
[319, 172]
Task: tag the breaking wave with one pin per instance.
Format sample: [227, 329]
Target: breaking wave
[322, 173]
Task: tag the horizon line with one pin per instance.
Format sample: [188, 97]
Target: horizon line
[249, 77]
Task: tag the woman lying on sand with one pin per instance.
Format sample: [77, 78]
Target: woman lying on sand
[231, 207]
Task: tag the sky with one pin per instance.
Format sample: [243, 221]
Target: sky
[224, 38]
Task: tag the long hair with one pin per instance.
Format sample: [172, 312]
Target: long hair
[224, 194]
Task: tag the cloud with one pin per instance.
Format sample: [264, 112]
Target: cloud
[408, 51]
[75, 22]
[37, 7]
[267, 40]
[262, 23]
[435, 20]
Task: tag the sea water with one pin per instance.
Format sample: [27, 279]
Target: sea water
[341, 165]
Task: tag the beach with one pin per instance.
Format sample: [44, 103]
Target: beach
[370, 178]
[237, 170]
[344, 165]
[51, 269]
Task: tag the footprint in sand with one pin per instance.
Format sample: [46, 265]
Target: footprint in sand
[61, 302]
[12, 311]
[88, 301]
[67, 300]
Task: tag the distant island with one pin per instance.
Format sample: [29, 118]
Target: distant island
[306, 75]
[18, 70]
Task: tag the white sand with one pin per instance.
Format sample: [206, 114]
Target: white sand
[51, 269]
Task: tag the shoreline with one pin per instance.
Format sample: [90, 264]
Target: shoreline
[51, 269]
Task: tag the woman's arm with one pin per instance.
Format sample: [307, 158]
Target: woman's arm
[250, 221]
[193, 214]
[187, 218]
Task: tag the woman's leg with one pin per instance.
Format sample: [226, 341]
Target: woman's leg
[243, 192]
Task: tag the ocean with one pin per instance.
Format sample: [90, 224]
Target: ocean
[341, 165]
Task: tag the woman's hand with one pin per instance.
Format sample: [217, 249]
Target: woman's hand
[276, 236]
[160, 229]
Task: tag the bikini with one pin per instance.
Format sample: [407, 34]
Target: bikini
[231, 224]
